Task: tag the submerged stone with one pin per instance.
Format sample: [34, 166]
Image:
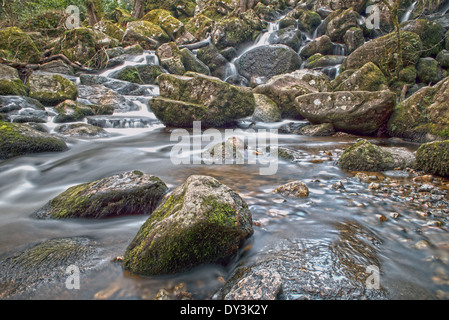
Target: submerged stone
[128, 193]
[200, 222]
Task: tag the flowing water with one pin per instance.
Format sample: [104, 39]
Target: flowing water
[412, 251]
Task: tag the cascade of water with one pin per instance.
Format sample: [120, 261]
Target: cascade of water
[408, 12]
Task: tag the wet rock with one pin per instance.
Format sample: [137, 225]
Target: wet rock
[424, 116]
[102, 96]
[212, 58]
[293, 189]
[359, 112]
[201, 221]
[266, 109]
[339, 22]
[318, 130]
[121, 121]
[290, 37]
[51, 89]
[81, 130]
[283, 89]
[148, 35]
[197, 97]
[119, 86]
[233, 149]
[429, 71]
[231, 32]
[163, 18]
[310, 269]
[321, 45]
[21, 139]
[72, 111]
[42, 267]
[192, 63]
[57, 66]
[22, 109]
[268, 61]
[10, 82]
[320, 61]
[353, 39]
[308, 20]
[365, 156]
[128, 193]
[433, 158]
[430, 33]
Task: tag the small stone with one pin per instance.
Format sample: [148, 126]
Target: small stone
[295, 188]
[374, 186]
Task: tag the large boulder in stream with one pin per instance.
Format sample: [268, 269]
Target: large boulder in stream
[127, 193]
[10, 82]
[201, 222]
[21, 139]
[268, 61]
[51, 89]
[357, 112]
[18, 45]
[433, 158]
[197, 97]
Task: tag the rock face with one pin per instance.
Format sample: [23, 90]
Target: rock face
[268, 61]
[424, 116]
[51, 89]
[358, 112]
[433, 157]
[283, 89]
[128, 193]
[21, 139]
[202, 221]
[365, 156]
[197, 97]
[381, 51]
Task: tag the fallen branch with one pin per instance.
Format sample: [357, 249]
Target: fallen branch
[66, 60]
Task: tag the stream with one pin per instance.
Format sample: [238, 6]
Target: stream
[412, 250]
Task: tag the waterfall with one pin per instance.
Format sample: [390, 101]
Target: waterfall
[408, 12]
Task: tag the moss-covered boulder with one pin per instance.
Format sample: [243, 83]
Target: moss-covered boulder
[231, 32]
[429, 71]
[127, 193]
[308, 20]
[339, 22]
[424, 116]
[433, 158]
[353, 38]
[367, 78]
[78, 45]
[321, 61]
[147, 34]
[358, 112]
[200, 26]
[201, 222]
[83, 130]
[197, 97]
[19, 45]
[51, 89]
[181, 9]
[109, 28]
[170, 58]
[382, 52]
[214, 60]
[317, 130]
[10, 82]
[163, 18]
[22, 109]
[268, 61]
[284, 88]
[192, 63]
[321, 45]
[365, 156]
[21, 139]
[431, 34]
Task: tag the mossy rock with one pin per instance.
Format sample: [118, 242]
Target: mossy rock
[192, 63]
[424, 116]
[266, 109]
[10, 82]
[111, 29]
[127, 193]
[21, 139]
[339, 22]
[51, 89]
[365, 156]
[428, 71]
[231, 32]
[180, 9]
[307, 20]
[408, 74]
[430, 32]
[172, 26]
[200, 25]
[50, 23]
[130, 74]
[382, 52]
[19, 45]
[145, 29]
[200, 222]
[78, 45]
[83, 130]
[433, 158]
[367, 78]
[72, 111]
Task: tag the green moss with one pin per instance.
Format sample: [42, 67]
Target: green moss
[433, 158]
[130, 74]
[19, 45]
[19, 139]
[199, 25]
[172, 26]
[14, 87]
[364, 156]
[52, 89]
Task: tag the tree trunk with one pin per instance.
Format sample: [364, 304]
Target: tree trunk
[94, 11]
[139, 9]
